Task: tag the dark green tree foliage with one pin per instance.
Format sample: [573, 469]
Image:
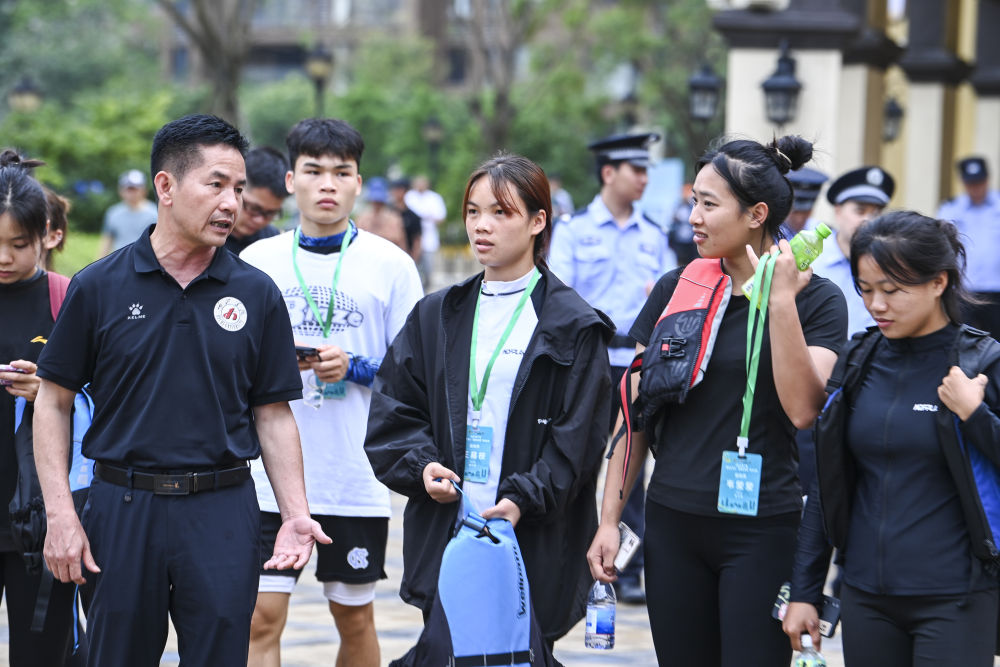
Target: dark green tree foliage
[96, 64]
[666, 40]
[68, 46]
[87, 145]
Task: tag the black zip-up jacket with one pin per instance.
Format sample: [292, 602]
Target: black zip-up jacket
[827, 522]
[556, 432]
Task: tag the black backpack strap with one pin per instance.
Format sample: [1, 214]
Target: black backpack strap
[42, 601]
[631, 415]
[853, 361]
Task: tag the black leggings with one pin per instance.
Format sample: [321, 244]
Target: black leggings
[918, 631]
[51, 646]
[711, 583]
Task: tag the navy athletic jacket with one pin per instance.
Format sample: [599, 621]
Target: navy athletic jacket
[971, 451]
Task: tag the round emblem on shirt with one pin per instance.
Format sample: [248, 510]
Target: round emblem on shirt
[230, 313]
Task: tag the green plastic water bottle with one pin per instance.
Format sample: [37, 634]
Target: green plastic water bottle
[806, 247]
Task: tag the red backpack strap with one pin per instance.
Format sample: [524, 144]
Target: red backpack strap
[58, 284]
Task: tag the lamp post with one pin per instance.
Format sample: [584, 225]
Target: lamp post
[319, 66]
[433, 134]
[630, 110]
[25, 97]
[892, 121]
[703, 88]
[781, 90]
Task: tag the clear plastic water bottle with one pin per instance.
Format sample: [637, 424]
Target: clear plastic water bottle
[809, 657]
[806, 247]
[601, 602]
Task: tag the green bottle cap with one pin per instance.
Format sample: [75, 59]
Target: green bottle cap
[822, 230]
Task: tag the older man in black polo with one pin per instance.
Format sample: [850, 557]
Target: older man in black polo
[177, 340]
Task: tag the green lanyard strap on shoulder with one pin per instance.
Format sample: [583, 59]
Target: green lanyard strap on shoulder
[326, 323]
[755, 337]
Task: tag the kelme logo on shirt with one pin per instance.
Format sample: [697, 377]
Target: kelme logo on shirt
[230, 313]
[135, 312]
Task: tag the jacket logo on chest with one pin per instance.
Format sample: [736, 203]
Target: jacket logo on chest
[925, 407]
[135, 312]
[230, 313]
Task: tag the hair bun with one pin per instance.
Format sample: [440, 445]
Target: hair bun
[11, 158]
[790, 152]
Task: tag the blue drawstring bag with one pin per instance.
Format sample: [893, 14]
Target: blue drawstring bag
[482, 612]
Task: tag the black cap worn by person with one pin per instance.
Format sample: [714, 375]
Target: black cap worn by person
[973, 170]
[806, 184]
[631, 148]
[868, 185]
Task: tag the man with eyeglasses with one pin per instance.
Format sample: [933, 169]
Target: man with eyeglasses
[262, 198]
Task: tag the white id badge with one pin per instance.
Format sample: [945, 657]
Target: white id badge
[478, 446]
[739, 483]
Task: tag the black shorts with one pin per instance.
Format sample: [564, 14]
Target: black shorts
[356, 556]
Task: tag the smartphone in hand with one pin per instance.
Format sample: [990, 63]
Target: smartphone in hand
[303, 353]
[7, 368]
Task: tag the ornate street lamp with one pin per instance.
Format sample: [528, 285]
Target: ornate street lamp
[319, 67]
[781, 90]
[630, 109]
[433, 135]
[892, 121]
[25, 97]
[704, 88]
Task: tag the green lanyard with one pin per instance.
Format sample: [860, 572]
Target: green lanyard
[479, 393]
[761, 292]
[328, 322]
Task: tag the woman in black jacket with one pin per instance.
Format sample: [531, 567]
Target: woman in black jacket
[26, 316]
[524, 431]
[901, 457]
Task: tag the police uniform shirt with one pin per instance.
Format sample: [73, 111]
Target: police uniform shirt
[979, 227]
[835, 267]
[174, 372]
[610, 266]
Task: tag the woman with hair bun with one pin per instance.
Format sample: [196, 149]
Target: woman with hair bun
[711, 575]
[27, 321]
[907, 456]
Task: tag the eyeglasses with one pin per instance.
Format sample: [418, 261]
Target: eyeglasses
[258, 211]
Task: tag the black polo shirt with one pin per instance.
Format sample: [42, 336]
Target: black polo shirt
[174, 372]
[695, 433]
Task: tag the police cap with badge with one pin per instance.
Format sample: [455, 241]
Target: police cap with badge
[631, 148]
[973, 170]
[868, 185]
[806, 184]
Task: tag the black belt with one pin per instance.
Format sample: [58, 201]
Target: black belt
[512, 658]
[621, 340]
[177, 484]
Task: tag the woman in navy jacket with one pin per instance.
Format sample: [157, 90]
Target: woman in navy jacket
[547, 421]
[906, 458]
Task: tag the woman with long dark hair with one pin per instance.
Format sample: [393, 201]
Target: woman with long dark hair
[500, 384]
[27, 320]
[719, 541]
[907, 454]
